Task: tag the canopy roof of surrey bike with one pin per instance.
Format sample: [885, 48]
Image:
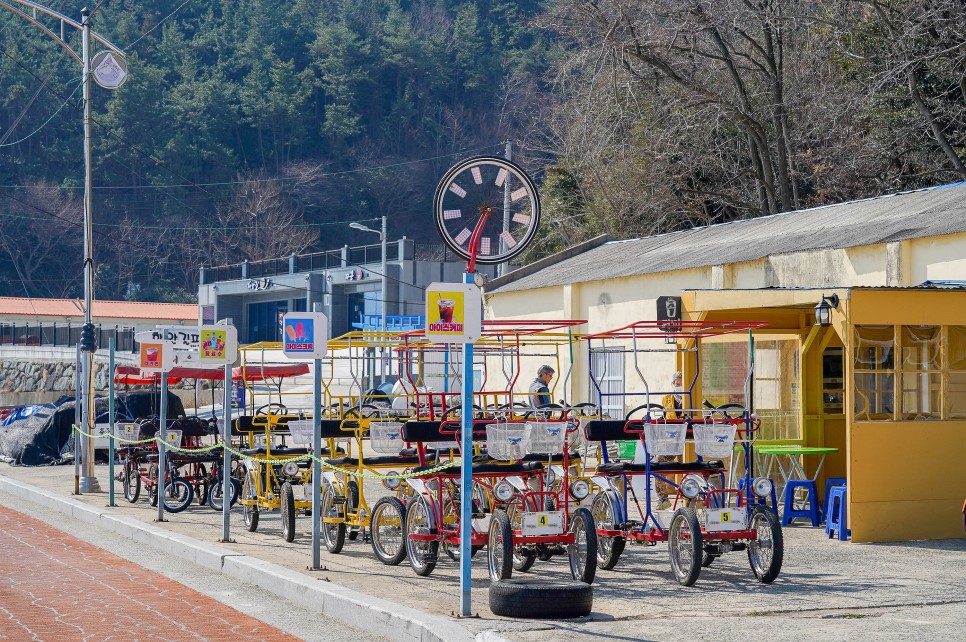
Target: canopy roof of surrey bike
[676, 329]
[134, 376]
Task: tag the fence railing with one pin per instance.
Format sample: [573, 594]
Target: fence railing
[64, 334]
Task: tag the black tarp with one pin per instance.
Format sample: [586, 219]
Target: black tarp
[40, 439]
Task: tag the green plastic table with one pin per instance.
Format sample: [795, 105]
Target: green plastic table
[792, 469]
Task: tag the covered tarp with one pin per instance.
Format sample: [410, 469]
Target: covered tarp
[41, 438]
[269, 371]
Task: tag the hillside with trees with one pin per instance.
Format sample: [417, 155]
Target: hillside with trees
[251, 129]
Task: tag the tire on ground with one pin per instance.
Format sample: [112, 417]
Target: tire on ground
[541, 599]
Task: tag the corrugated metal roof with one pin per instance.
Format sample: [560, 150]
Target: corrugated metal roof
[99, 309]
[929, 212]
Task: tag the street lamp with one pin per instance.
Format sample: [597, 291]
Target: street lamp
[108, 70]
[382, 239]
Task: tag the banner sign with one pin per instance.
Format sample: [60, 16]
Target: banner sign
[454, 312]
[218, 344]
[156, 356]
[305, 335]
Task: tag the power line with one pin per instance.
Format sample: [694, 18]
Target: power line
[67, 100]
[144, 35]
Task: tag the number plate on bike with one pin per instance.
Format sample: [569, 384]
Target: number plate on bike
[546, 523]
[724, 519]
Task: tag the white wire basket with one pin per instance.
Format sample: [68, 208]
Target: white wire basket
[547, 437]
[386, 437]
[302, 431]
[665, 439]
[715, 440]
[507, 441]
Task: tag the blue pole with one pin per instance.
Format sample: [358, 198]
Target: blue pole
[110, 440]
[466, 478]
[161, 430]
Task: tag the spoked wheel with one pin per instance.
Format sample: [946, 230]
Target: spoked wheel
[684, 543]
[422, 553]
[707, 559]
[153, 488]
[178, 494]
[523, 557]
[287, 497]
[388, 530]
[609, 549]
[132, 482]
[202, 481]
[767, 550]
[250, 512]
[583, 552]
[217, 491]
[499, 548]
[352, 488]
[333, 532]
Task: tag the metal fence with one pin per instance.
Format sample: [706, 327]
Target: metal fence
[64, 334]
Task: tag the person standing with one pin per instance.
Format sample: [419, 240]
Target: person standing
[540, 388]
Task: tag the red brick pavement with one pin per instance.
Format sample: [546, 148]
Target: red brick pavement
[56, 587]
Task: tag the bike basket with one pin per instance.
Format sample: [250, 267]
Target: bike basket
[716, 440]
[302, 431]
[547, 437]
[386, 437]
[665, 439]
[507, 442]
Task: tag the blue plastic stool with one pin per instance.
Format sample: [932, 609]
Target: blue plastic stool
[837, 511]
[811, 512]
[759, 500]
[829, 483]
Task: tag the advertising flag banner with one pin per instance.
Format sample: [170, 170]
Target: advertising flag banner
[305, 335]
[454, 312]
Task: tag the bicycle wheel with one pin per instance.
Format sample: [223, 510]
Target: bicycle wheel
[388, 530]
[217, 491]
[250, 512]
[178, 494]
[287, 497]
[132, 482]
[684, 544]
[423, 553]
[333, 532]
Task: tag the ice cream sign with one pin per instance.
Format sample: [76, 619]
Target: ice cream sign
[155, 356]
[305, 334]
[454, 312]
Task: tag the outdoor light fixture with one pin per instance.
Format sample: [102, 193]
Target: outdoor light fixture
[823, 311]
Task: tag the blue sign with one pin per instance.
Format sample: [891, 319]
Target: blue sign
[305, 334]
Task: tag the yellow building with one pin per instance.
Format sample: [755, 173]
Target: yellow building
[885, 383]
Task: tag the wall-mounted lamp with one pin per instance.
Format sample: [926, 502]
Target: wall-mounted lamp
[823, 311]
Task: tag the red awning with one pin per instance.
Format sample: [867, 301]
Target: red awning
[212, 374]
[256, 372]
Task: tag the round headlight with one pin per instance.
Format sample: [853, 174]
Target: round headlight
[503, 491]
[579, 489]
[551, 476]
[392, 483]
[690, 487]
[762, 486]
[290, 468]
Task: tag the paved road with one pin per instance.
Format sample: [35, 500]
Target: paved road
[54, 586]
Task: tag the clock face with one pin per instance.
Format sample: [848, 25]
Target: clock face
[492, 196]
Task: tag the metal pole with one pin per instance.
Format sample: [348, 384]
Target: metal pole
[110, 439]
[226, 459]
[385, 302]
[316, 479]
[504, 267]
[78, 412]
[88, 481]
[162, 429]
[466, 469]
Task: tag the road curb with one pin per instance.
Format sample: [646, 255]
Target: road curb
[379, 616]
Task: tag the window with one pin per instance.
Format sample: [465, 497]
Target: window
[874, 372]
[833, 383]
[925, 365]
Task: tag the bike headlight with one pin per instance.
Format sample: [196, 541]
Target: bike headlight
[551, 476]
[290, 468]
[392, 483]
[690, 487]
[579, 489]
[503, 491]
[762, 486]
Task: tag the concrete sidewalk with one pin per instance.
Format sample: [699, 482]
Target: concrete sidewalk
[828, 588]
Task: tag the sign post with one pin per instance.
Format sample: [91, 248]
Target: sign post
[218, 345]
[306, 334]
[454, 314]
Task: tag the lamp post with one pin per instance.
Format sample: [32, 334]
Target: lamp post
[385, 302]
[109, 70]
